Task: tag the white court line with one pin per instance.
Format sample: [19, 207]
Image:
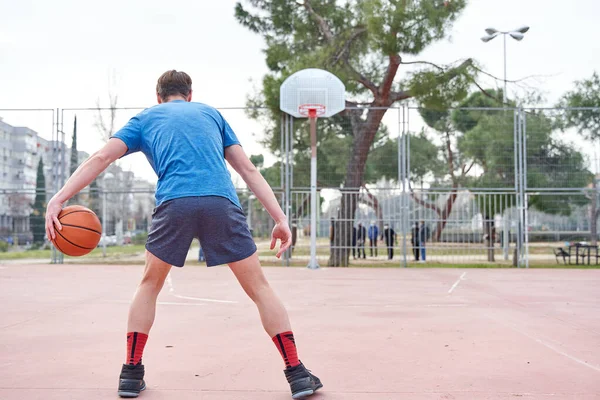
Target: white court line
[446, 305]
[540, 341]
[172, 291]
[161, 303]
[171, 303]
[424, 305]
[462, 278]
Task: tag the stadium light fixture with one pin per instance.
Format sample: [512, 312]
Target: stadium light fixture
[517, 34]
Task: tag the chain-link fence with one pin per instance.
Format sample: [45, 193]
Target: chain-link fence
[505, 186]
[454, 186]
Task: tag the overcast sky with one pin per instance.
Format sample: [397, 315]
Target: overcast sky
[59, 54]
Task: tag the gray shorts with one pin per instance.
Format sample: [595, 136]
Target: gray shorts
[219, 224]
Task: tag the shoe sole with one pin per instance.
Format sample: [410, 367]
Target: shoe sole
[129, 395]
[303, 394]
[306, 393]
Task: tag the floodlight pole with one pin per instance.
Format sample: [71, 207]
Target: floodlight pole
[505, 99]
[516, 34]
[312, 116]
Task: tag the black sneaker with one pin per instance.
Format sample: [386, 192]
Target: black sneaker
[302, 382]
[131, 380]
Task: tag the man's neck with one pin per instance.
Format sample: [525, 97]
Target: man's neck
[173, 98]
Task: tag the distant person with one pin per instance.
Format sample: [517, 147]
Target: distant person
[416, 241]
[361, 238]
[331, 232]
[354, 243]
[201, 256]
[423, 236]
[389, 236]
[189, 145]
[373, 233]
[294, 233]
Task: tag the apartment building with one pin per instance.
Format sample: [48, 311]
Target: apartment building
[21, 149]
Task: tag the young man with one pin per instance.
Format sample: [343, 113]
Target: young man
[187, 145]
[390, 238]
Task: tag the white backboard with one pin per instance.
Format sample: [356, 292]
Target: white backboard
[312, 86]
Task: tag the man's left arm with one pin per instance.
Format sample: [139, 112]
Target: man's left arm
[83, 176]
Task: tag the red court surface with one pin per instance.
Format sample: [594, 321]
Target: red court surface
[367, 333]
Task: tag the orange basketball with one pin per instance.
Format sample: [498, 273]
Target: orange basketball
[81, 231]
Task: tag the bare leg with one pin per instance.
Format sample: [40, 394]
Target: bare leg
[143, 306]
[275, 320]
[273, 314]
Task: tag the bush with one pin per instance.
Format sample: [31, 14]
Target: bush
[3, 247]
[36, 246]
[140, 238]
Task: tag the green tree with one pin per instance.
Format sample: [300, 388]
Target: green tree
[487, 141]
[94, 199]
[363, 43]
[550, 163]
[74, 157]
[271, 174]
[37, 217]
[446, 166]
[582, 112]
[586, 94]
[477, 151]
[258, 160]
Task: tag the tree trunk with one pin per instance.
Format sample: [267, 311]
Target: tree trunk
[453, 194]
[490, 233]
[594, 215]
[364, 134]
[445, 214]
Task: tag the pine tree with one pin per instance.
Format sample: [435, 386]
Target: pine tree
[370, 45]
[74, 156]
[39, 207]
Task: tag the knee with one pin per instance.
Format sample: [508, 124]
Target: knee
[153, 282]
[257, 289]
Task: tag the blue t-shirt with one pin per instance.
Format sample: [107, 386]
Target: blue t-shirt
[185, 145]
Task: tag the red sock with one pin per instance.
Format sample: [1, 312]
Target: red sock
[287, 348]
[135, 347]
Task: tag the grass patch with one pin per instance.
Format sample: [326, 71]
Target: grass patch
[302, 263]
[26, 254]
[127, 255]
[113, 251]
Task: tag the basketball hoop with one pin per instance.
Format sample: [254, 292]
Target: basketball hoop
[312, 110]
[312, 89]
[312, 93]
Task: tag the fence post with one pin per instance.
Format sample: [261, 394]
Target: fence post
[522, 188]
[522, 183]
[56, 255]
[403, 176]
[525, 195]
[103, 219]
[286, 131]
[517, 155]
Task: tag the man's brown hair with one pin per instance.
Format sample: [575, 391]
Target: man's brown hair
[173, 83]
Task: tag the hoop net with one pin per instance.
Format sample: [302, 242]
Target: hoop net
[311, 110]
